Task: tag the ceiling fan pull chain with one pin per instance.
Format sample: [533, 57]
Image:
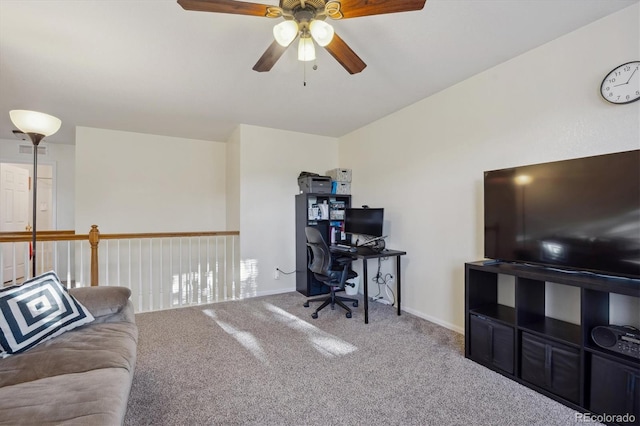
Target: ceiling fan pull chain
[304, 74]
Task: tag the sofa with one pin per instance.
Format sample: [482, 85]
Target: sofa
[82, 376]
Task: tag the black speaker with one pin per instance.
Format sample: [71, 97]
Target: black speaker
[624, 339]
[604, 337]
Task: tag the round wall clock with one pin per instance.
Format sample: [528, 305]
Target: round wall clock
[622, 84]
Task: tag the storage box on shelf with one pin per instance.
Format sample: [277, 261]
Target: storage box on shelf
[555, 357]
[340, 181]
[340, 175]
[343, 188]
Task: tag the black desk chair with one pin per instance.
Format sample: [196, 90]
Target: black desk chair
[331, 271]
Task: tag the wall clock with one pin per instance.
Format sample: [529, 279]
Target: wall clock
[622, 84]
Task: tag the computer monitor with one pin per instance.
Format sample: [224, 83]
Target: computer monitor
[364, 221]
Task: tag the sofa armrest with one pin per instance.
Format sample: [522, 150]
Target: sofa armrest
[106, 303]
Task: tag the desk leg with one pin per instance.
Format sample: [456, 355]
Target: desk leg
[366, 291]
[399, 274]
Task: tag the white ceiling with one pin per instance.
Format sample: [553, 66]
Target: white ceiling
[149, 66]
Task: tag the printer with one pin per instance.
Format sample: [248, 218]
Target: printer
[314, 183]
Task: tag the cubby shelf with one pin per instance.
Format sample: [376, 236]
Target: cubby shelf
[331, 221]
[552, 328]
[550, 355]
[501, 313]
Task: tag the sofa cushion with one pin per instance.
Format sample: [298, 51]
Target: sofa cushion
[106, 303]
[96, 346]
[97, 397]
[35, 311]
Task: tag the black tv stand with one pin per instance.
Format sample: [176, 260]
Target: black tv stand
[554, 357]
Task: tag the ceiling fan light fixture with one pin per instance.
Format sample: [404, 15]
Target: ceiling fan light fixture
[285, 32]
[306, 49]
[321, 32]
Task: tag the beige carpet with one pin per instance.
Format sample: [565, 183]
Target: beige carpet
[264, 361]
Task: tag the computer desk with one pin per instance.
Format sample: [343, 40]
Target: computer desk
[365, 253]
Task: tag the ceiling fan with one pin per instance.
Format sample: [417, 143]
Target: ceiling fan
[306, 19]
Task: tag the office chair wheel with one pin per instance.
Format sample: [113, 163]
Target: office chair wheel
[314, 315]
[348, 314]
[305, 304]
[355, 304]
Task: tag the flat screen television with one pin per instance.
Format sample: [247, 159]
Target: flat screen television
[364, 221]
[580, 214]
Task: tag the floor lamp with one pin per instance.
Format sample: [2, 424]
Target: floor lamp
[37, 126]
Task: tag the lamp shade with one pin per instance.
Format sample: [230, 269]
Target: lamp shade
[35, 122]
[321, 32]
[306, 49]
[285, 32]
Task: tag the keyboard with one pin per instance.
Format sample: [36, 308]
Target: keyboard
[344, 248]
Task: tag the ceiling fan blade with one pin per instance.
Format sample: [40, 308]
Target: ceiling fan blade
[357, 8]
[343, 54]
[269, 57]
[225, 6]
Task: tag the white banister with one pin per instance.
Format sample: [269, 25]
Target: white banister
[160, 271]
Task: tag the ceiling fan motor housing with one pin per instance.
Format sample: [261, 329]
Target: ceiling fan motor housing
[292, 4]
[304, 16]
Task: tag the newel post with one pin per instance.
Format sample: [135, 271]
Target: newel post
[94, 239]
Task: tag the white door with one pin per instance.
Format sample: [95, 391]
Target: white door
[14, 213]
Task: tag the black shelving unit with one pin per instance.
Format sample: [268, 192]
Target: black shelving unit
[330, 224]
[551, 356]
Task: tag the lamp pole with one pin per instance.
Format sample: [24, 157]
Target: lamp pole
[35, 140]
[37, 126]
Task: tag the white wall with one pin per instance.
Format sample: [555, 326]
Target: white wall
[62, 158]
[132, 182]
[424, 164]
[233, 181]
[271, 161]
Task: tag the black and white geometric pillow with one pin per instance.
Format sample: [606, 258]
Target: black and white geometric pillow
[35, 311]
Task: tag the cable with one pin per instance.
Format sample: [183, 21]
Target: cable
[286, 273]
[380, 279]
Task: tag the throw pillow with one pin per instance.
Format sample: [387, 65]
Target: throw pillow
[36, 311]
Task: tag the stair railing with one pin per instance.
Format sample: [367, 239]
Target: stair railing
[163, 270]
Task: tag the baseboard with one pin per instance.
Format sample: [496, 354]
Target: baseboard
[434, 320]
[419, 314]
[276, 291]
